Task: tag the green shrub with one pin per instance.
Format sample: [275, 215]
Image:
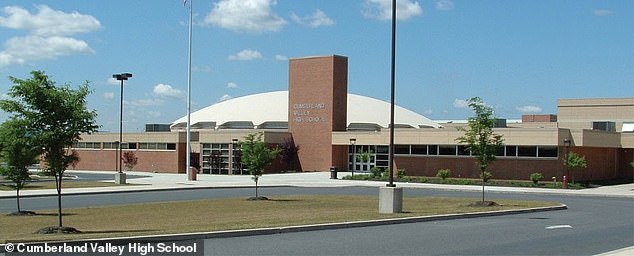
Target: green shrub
[443, 174]
[486, 176]
[536, 177]
[400, 173]
[376, 172]
[422, 179]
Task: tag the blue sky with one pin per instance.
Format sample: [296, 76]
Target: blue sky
[519, 56]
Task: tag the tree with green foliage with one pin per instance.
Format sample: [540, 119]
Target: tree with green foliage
[573, 161]
[18, 150]
[365, 158]
[256, 156]
[480, 138]
[55, 116]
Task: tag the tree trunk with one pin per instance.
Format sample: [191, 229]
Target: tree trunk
[17, 196]
[58, 185]
[483, 186]
[256, 189]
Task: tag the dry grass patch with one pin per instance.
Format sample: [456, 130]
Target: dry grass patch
[230, 214]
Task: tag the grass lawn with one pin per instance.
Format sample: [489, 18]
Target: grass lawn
[229, 214]
[65, 184]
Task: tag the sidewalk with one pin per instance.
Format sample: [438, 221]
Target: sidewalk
[166, 181]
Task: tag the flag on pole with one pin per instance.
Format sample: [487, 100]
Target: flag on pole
[184, 3]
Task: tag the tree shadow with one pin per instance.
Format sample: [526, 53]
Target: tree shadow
[285, 200]
[54, 214]
[118, 231]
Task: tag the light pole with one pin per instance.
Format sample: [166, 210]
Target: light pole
[121, 77]
[232, 159]
[567, 143]
[353, 141]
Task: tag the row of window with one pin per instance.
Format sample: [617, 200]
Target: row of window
[217, 158]
[456, 150]
[125, 145]
[378, 155]
[462, 150]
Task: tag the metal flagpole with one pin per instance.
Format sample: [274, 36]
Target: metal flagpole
[189, 96]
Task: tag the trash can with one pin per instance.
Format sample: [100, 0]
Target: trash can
[333, 173]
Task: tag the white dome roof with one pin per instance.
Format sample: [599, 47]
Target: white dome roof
[271, 108]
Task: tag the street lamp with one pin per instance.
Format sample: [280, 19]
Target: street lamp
[121, 77]
[353, 141]
[567, 143]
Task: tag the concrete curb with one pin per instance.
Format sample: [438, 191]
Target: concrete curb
[304, 228]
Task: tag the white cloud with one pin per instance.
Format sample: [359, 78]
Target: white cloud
[529, 109]
[113, 81]
[203, 69]
[20, 50]
[225, 98]
[382, 9]
[315, 20]
[108, 95]
[247, 54]
[48, 22]
[48, 36]
[601, 12]
[444, 5]
[457, 103]
[428, 112]
[281, 57]
[167, 91]
[232, 85]
[245, 16]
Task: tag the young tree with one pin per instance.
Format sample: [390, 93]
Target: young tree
[365, 158]
[573, 160]
[256, 156]
[18, 150]
[55, 116]
[480, 138]
[288, 152]
[130, 160]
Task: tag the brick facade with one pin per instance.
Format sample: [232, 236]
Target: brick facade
[317, 106]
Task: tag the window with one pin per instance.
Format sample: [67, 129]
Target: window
[432, 150]
[157, 146]
[511, 151]
[527, 151]
[91, 145]
[604, 126]
[419, 149]
[447, 150]
[401, 149]
[463, 151]
[547, 151]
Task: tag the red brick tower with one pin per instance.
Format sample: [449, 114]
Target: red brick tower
[317, 106]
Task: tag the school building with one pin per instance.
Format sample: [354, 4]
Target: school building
[330, 126]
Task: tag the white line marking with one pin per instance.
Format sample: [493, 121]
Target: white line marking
[559, 227]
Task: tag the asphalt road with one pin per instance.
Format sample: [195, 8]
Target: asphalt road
[591, 225]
